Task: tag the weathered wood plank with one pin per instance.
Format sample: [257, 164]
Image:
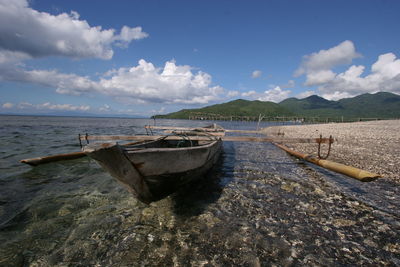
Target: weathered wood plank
[53, 158]
[59, 157]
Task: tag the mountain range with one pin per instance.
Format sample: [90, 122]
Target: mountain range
[381, 105]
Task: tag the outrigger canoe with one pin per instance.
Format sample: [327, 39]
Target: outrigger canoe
[154, 169]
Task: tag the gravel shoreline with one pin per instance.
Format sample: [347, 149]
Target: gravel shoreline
[373, 146]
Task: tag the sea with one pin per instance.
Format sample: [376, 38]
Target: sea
[258, 206]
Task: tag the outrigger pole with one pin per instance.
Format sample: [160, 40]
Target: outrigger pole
[350, 171]
[141, 138]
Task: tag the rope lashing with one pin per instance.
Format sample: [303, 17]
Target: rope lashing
[329, 147]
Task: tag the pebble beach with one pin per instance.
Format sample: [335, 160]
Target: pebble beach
[373, 146]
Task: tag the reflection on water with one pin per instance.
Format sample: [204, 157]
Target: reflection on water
[257, 207]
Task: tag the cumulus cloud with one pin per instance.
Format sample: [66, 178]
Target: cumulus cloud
[28, 33]
[256, 74]
[143, 83]
[275, 94]
[384, 74]
[319, 77]
[171, 84]
[343, 53]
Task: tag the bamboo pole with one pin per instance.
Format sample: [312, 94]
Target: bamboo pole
[350, 171]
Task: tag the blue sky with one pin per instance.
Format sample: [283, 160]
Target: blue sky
[149, 57]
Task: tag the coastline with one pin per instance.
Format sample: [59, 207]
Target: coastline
[373, 146]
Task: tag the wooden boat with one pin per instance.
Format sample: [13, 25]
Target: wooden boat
[154, 169]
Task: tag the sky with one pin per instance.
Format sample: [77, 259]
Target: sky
[147, 57]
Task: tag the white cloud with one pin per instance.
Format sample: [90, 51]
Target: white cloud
[386, 66]
[26, 32]
[384, 73]
[232, 94]
[142, 83]
[171, 84]
[67, 107]
[384, 76]
[336, 95]
[306, 94]
[256, 74]
[275, 94]
[8, 105]
[319, 77]
[10, 57]
[343, 53]
[249, 93]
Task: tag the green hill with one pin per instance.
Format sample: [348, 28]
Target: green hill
[379, 105]
[312, 106]
[234, 108]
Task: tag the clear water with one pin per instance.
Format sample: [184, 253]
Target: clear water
[257, 207]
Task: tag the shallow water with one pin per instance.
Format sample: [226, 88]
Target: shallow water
[257, 207]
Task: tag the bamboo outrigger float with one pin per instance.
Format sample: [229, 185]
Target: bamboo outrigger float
[350, 171]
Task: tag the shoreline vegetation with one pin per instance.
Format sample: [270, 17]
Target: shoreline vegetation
[381, 105]
[373, 146]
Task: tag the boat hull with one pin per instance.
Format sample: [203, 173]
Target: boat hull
[152, 172]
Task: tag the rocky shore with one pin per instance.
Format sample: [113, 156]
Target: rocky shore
[373, 146]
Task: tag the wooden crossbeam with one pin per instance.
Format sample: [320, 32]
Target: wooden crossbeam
[205, 138]
[200, 129]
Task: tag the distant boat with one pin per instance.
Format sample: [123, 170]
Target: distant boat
[154, 169]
